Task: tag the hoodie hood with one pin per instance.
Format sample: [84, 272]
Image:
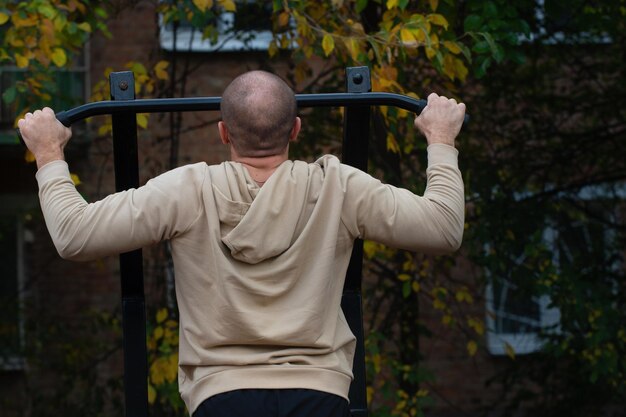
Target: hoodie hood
[258, 223]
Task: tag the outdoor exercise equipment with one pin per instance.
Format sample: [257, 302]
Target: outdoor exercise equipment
[123, 107]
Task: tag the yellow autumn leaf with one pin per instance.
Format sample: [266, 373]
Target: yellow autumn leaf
[371, 248]
[509, 350]
[391, 4]
[85, 27]
[283, 19]
[392, 144]
[58, 57]
[19, 22]
[430, 52]
[448, 67]
[453, 47]
[434, 4]
[21, 61]
[142, 120]
[203, 5]
[407, 37]
[3, 18]
[75, 179]
[416, 286]
[472, 347]
[370, 394]
[152, 394]
[272, 49]
[158, 333]
[161, 315]
[477, 325]
[159, 70]
[353, 47]
[328, 44]
[404, 277]
[419, 34]
[461, 69]
[437, 19]
[29, 157]
[228, 5]
[105, 129]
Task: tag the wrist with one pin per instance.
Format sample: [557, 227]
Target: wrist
[48, 156]
[445, 140]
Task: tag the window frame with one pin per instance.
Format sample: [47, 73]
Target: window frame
[189, 39]
[7, 134]
[18, 208]
[549, 318]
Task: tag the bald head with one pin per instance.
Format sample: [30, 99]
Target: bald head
[259, 110]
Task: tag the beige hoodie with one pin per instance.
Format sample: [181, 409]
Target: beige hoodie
[259, 271]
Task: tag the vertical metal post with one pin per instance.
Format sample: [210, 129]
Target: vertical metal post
[131, 263]
[356, 135]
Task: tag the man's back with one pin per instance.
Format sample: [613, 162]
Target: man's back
[259, 271]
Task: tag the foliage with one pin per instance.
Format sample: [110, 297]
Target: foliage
[163, 359]
[557, 174]
[73, 355]
[41, 37]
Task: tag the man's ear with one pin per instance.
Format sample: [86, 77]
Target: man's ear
[221, 127]
[297, 124]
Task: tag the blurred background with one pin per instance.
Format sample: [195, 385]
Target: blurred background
[528, 318]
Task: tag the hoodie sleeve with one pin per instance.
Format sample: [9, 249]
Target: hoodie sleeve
[166, 206]
[432, 223]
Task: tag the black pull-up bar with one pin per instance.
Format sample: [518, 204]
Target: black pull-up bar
[157, 105]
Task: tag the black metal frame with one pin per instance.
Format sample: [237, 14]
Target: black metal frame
[123, 107]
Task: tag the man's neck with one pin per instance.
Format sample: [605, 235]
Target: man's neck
[261, 168]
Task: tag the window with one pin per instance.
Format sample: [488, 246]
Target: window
[515, 319]
[72, 90]
[561, 21]
[250, 28]
[579, 243]
[13, 240]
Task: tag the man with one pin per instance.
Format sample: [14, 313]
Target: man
[260, 244]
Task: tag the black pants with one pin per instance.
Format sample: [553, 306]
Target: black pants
[274, 403]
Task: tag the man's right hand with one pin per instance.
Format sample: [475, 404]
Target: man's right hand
[44, 135]
[441, 119]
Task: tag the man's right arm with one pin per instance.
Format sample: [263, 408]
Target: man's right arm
[163, 208]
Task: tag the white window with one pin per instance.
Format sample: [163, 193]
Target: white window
[514, 319]
[250, 28]
[558, 22]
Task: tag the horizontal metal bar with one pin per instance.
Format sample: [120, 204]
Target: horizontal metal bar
[164, 105]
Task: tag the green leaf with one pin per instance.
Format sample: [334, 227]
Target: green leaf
[473, 23]
[9, 95]
[406, 289]
[101, 12]
[490, 9]
[481, 47]
[361, 5]
[47, 10]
